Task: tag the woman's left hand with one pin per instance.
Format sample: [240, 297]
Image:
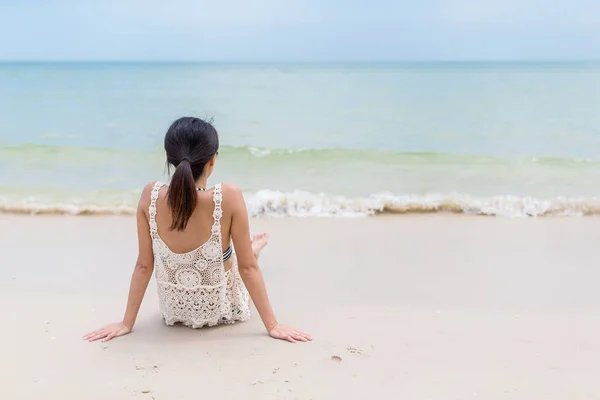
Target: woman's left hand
[289, 333]
[108, 332]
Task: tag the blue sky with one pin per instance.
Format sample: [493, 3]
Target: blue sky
[306, 30]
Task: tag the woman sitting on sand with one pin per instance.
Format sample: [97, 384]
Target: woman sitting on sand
[185, 233]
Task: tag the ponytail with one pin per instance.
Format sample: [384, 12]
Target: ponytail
[190, 143]
[182, 196]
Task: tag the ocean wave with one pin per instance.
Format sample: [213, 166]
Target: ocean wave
[305, 204]
[391, 156]
[33, 208]
[385, 156]
[301, 204]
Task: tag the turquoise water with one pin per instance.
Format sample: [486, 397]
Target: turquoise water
[339, 139]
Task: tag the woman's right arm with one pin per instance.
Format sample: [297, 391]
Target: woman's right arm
[140, 278]
[250, 271]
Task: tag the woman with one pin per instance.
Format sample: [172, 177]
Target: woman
[185, 234]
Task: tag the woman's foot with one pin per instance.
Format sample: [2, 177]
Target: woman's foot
[259, 241]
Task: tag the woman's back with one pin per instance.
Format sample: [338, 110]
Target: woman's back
[198, 229]
[194, 288]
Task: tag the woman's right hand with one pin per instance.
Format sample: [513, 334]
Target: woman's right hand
[289, 333]
[108, 332]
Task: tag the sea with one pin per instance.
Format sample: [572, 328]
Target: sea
[506, 139]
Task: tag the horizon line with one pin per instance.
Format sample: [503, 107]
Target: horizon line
[333, 61]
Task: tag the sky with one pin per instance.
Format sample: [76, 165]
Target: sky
[299, 30]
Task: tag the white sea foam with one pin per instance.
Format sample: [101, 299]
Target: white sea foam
[264, 152]
[300, 204]
[259, 152]
[305, 204]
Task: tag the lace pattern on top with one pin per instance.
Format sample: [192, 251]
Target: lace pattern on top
[194, 288]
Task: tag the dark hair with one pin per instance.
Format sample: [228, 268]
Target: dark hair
[190, 144]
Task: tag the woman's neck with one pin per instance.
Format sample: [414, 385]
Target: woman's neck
[201, 182]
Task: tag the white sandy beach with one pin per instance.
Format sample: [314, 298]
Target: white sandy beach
[414, 307]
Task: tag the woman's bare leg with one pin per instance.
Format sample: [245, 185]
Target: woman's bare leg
[259, 241]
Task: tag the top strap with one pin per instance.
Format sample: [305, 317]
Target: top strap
[152, 209]
[218, 212]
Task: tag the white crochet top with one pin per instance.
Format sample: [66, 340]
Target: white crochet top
[194, 288]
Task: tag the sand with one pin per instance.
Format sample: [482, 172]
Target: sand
[408, 307]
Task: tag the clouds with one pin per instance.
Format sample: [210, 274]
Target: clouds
[299, 29]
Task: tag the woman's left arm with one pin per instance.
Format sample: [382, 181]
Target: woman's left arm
[142, 273]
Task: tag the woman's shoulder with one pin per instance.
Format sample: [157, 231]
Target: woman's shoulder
[230, 188]
[150, 186]
[232, 194]
[146, 196]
